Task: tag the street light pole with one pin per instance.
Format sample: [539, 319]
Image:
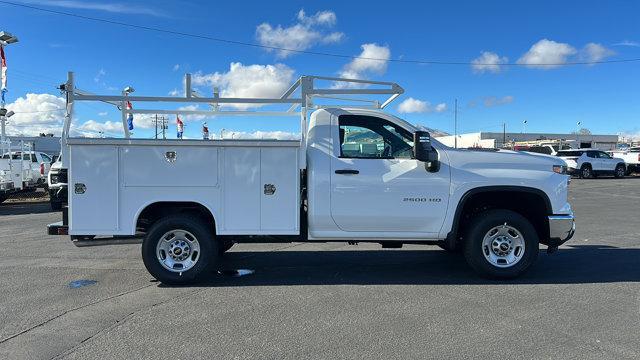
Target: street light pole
[455, 124]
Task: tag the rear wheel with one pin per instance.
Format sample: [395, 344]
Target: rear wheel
[179, 249]
[620, 171]
[500, 244]
[586, 172]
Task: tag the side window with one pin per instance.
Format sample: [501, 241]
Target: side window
[604, 155]
[360, 142]
[46, 158]
[368, 137]
[592, 154]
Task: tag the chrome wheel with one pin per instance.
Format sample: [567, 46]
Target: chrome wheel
[178, 250]
[586, 172]
[620, 171]
[503, 246]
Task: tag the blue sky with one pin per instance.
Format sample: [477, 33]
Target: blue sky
[105, 58]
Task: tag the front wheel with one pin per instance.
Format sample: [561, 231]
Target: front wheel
[179, 249]
[620, 171]
[586, 172]
[500, 244]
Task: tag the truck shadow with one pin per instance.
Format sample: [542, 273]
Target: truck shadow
[575, 265]
[25, 208]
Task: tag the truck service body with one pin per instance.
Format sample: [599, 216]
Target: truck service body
[356, 174]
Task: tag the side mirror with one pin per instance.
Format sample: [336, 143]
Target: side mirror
[423, 151]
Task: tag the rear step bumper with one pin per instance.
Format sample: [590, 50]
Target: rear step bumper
[57, 229]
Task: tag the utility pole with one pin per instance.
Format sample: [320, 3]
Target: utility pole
[163, 125]
[504, 134]
[455, 124]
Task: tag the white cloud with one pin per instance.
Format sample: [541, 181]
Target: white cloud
[119, 8]
[547, 52]
[174, 92]
[627, 43]
[307, 32]
[99, 76]
[372, 60]
[279, 135]
[248, 81]
[593, 52]
[36, 113]
[488, 61]
[412, 105]
[491, 101]
[103, 113]
[106, 127]
[442, 107]
[176, 67]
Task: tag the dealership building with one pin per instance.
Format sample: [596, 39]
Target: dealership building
[498, 139]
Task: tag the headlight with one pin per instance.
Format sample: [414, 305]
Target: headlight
[560, 169]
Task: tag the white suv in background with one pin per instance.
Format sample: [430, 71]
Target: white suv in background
[589, 163]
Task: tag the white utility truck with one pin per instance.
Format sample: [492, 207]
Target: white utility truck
[631, 158]
[356, 175]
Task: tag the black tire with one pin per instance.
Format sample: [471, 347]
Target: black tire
[586, 172]
[224, 246]
[481, 225]
[56, 205]
[206, 258]
[620, 171]
[2, 198]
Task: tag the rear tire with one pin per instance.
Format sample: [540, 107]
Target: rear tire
[500, 244]
[620, 171]
[179, 249]
[586, 172]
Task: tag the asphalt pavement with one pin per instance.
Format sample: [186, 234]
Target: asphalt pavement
[297, 301]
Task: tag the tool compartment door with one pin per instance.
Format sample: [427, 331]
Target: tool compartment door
[93, 189]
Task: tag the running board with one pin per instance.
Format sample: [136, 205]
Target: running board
[124, 240]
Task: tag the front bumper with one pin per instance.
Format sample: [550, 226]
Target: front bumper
[561, 229]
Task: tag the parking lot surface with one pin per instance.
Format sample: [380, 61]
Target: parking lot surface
[327, 300]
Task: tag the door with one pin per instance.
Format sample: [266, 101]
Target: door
[376, 186]
[594, 159]
[607, 163]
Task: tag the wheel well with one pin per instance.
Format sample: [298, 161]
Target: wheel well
[154, 212]
[586, 164]
[533, 204]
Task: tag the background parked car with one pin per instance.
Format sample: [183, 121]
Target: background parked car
[588, 163]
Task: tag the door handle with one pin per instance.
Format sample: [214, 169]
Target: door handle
[347, 171]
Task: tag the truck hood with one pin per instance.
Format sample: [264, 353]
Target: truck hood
[491, 159]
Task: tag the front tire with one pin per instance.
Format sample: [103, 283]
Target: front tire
[500, 244]
[179, 249]
[620, 171]
[586, 172]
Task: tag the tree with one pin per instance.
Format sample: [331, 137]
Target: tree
[582, 131]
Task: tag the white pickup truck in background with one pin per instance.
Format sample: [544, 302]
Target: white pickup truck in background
[631, 157]
[22, 171]
[356, 175]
